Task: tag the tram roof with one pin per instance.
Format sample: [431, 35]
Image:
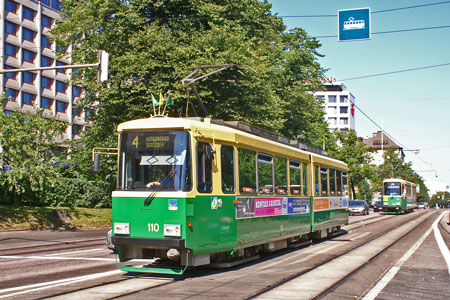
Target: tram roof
[398, 180]
[231, 131]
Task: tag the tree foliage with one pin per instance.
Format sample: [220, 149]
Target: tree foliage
[31, 167]
[153, 44]
[352, 150]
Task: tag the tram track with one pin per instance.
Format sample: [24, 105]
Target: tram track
[53, 246]
[332, 287]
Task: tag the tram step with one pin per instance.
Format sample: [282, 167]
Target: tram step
[169, 271]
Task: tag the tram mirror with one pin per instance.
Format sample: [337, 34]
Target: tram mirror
[95, 164]
[209, 152]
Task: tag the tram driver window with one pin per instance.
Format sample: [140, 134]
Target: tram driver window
[227, 168]
[204, 167]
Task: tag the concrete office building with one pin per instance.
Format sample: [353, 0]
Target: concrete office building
[25, 40]
[337, 104]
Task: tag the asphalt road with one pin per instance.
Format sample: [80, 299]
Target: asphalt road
[77, 265]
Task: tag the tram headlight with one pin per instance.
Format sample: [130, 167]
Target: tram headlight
[172, 230]
[121, 228]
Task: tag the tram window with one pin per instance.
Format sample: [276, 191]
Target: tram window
[247, 171]
[305, 178]
[316, 181]
[339, 182]
[280, 175]
[295, 177]
[265, 173]
[344, 184]
[324, 181]
[227, 168]
[332, 182]
[204, 168]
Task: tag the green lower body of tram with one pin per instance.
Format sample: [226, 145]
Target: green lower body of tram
[397, 205]
[221, 231]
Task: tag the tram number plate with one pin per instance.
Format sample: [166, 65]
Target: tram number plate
[153, 227]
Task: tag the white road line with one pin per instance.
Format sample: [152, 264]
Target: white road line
[442, 246]
[56, 258]
[46, 285]
[393, 271]
[73, 252]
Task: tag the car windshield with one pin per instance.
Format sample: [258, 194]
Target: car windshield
[421, 203]
[156, 160]
[357, 203]
[392, 189]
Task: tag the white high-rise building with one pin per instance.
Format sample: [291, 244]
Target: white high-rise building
[25, 40]
[338, 106]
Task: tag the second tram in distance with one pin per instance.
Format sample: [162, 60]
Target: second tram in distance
[399, 196]
[197, 191]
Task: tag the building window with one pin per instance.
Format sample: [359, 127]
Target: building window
[56, 4]
[28, 13]
[11, 50]
[12, 94]
[332, 121]
[46, 2]
[28, 99]
[8, 112]
[61, 87]
[47, 82]
[46, 61]
[331, 99]
[76, 129]
[28, 34]
[46, 42]
[11, 28]
[28, 77]
[46, 103]
[344, 121]
[47, 22]
[76, 90]
[11, 6]
[332, 109]
[344, 109]
[61, 106]
[343, 99]
[12, 75]
[28, 56]
[58, 63]
[76, 112]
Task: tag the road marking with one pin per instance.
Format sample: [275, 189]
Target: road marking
[393, 271]
[442, 246]
[73, 252]
[57, 258]
[46, 285]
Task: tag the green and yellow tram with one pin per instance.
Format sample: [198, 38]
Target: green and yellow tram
[399, 196]
[197, 191]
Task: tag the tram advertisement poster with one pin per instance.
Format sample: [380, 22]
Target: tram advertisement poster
[248, 207]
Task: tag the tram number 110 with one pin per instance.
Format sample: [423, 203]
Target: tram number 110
[153, 227]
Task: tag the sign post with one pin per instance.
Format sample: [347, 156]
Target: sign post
[354, 24]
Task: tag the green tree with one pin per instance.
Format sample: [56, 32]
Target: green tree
[32, 167]
[352, 150]
[442, 199]
[153, 44]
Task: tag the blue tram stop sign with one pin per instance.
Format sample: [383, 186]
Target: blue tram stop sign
[354, 24]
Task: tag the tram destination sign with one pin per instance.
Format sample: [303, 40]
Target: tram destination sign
[354, 24]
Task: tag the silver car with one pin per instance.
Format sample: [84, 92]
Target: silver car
[359, 207]
[109, 243]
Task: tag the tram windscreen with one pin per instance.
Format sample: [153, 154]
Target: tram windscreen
[392, 189]
[156, 160]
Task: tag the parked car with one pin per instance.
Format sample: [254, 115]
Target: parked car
[109, 243]
[421, 205]
[359, 207]
[377, 206]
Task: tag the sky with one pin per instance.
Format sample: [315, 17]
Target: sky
[413, 107]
